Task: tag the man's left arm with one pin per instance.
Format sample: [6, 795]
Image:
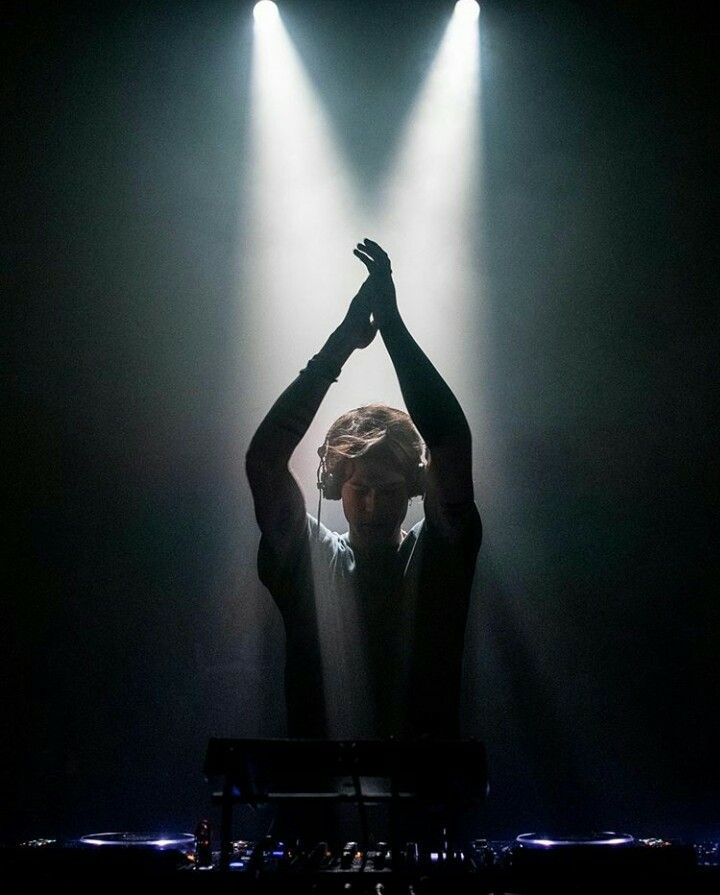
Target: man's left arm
[430, 402]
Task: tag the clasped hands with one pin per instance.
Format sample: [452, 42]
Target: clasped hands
[375, 304]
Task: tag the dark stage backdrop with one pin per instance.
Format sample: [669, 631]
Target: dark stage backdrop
[134, 626]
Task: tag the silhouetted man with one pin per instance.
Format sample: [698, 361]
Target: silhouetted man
[374, 618]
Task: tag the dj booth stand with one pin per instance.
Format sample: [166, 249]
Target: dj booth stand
[448, 774]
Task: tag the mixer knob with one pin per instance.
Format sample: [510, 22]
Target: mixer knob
[482, 853]
[203, 844]
[410, 854]
[378, 857]
[349, 853]
[318, 856]
[277, 855]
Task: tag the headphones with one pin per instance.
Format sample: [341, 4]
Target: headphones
[330, 484]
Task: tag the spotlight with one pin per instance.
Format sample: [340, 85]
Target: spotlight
[266, 12]
[469, 10]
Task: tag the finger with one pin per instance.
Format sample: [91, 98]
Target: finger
[375, 250]
[374, 245]
[364, 251]
[366, 259]
[379, 255]
[373, 265]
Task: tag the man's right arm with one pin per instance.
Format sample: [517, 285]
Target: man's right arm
[279, 504]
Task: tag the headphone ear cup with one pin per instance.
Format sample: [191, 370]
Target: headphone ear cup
[418, 482]
[326, 480]
[330, 486]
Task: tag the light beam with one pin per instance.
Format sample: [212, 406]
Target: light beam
[431, 205]
[298, 272]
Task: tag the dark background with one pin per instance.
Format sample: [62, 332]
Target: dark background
[135, 627]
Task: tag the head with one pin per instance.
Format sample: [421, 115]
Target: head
[373, 460]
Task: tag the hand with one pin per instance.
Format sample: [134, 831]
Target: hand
[383, 301]
[357, 329]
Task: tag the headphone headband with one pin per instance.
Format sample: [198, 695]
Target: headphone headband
[330, 484]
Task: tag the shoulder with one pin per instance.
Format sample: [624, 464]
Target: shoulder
[312, 541]
[320, 533]
[287, 570]
[324, 543]
[311, 533]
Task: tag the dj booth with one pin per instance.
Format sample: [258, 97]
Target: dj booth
[360, 817]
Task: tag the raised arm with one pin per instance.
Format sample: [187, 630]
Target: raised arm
[279, 504]
[430, 402]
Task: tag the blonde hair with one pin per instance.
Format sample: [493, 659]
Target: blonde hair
[374, 430]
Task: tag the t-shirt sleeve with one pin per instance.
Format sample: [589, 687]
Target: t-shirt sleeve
[288, 573]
